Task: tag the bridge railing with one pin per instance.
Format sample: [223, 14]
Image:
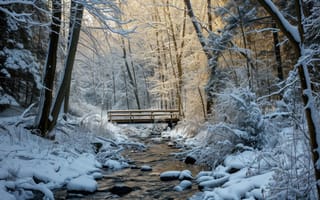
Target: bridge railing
[143, 116]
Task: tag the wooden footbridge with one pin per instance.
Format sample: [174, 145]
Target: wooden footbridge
[144, 116]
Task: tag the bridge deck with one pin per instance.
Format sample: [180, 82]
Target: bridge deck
[143, 116]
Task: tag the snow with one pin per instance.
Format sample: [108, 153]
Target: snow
[293, 30]
[82, 183]
[185, 175]
[113, 164]
[240, 161]
[29, 162]
[7, 99]
[183, 185]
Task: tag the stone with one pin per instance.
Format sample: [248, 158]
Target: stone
[185, 175]
[204, 173]
[120, 190]
[204, 178]
[190, 160]
[146, 168]
[96, 146]
[169, 175]
[184, 185]
[135, 167]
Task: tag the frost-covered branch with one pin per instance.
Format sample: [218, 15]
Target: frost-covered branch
[279, 91]
[23, 17]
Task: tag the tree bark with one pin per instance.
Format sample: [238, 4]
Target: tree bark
[277, 52]
[178, 55]
[64, 89]
[130, 74]
[212, 61]
[209, 10]
[42, 122]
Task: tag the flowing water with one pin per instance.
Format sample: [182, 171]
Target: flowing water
[147, 185]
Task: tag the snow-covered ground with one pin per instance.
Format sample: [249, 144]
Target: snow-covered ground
[274, 164]
[30, 163]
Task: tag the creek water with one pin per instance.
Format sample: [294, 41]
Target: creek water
[147, 185]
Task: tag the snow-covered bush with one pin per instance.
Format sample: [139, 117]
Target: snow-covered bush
[238, 125]
[236, 109]
[294, 177]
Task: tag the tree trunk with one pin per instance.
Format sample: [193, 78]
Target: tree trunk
[42, 121]
[72, 49]
[178, 55]
[130, 74]
[211, 60]
[277, 52]
[209, 10]
[114, 88]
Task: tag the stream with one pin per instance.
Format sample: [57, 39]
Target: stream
[147, 184]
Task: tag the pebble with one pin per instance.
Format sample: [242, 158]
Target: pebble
[146, 168]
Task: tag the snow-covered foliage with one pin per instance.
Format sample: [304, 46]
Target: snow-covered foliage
[290, 152]
[73, 161]
[238, 125]
[282, 160]
[22, 48]
[21, 60]
[237, 108]
[237, 178]
[29, 162]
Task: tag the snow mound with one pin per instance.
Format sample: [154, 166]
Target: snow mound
[82, 183]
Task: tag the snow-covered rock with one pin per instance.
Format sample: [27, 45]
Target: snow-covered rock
[213, 183]
[204, 178]
[184, 185]
[185, 175]
[83, 184]
[113, 164]
[204, 173]
[169, 175]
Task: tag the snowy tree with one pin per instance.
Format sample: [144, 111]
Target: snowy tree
[296, 35]
[22, 49]
[49, 110]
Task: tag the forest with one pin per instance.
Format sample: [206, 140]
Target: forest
[243, 76]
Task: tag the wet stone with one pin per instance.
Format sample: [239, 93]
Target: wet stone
[120, 190]
[135, 167]
[190, 160]
[146, 168]
[169, 175]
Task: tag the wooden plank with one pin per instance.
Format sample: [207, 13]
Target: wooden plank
[141, 111]
[143, 116]
[144, 121]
